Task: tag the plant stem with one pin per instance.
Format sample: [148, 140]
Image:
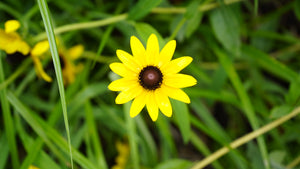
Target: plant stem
[85, 25]
[202, 8]
[245, 139]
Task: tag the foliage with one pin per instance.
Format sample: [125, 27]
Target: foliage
[245, 60]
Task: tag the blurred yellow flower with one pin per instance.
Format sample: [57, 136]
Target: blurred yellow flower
[150, 77]
[33, 167]
[70, 69]
[123, 154]
[10, 40]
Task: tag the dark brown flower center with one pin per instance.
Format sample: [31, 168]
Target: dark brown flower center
[150, 78]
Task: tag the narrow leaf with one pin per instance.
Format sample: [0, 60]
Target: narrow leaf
[142, 8]
[182, 119]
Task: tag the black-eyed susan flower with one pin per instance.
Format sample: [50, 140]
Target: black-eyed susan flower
[12, 43]
[150, 77]
[69, 68]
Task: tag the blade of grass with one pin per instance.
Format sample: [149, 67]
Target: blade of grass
[92, 130]
[4, 151]
[55, 57]
[247, 105]
[47, 133]
[8, 121]
[146, 135]
[270, 64]
[130, 124]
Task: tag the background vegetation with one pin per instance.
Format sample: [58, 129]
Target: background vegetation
[246, 62]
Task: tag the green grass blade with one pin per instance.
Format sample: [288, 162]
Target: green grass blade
[92, 130]
[132, 137]
[4, 151]
[47, 133]
[8, 121]
[53, 48]
[247, 105]
[270, 64]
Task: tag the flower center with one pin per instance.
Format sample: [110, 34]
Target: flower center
[150, 78]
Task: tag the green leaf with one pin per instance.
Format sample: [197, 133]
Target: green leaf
[270, 64]
[226, 28]
[280, 111]
[277, 156]
[8, 120]
[145, 30]
[174, 164]
[297, 8]
[293, 95]
[182, 118]
[4, 151]
[193, 16]
[142, 8]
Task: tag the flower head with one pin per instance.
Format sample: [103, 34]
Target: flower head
[10, 40]
[12, 43]
[150, 77]
[70, 69]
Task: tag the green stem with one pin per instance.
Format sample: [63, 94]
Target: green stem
[178, 27]
[201, 8]
[21, 69]
[246, 138]
[86, 25]
[8, 121]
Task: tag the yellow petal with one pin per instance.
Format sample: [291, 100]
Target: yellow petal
[152, 106]
[167, 53]
[175, 93]
[138, 104]
[138, 50]
[128, 94]
[40, 48]
[163, 103]
[128, 61]
[24, 48]
[75, 52]
[11, 26]
[39, 69]
[122, 70]
[152, 50]
[179, 80]
[122, 84]
[177, 65]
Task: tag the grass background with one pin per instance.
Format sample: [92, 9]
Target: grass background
[246, 62]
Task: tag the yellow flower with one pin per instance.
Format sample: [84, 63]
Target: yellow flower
[150, 77]
[121, 159]
[33, 167]
[38, 50]
[69, 69]
[11, 43]
[10, 40]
